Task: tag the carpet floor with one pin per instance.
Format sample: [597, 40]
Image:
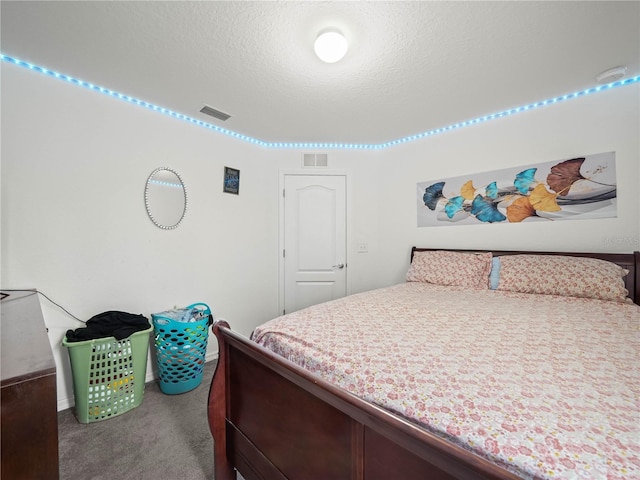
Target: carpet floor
[166, 437]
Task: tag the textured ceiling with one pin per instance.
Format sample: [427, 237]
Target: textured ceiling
[411, 66]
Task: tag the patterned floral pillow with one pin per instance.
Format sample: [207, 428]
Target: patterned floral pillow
[444, 267]
[563, 275]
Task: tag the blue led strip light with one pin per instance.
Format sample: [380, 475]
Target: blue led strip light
[126, 98]
[512, 111]
[340, 146]
[166, 184]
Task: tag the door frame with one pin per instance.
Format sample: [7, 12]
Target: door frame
[308, 173]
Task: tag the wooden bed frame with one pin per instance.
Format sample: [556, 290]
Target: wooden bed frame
[271, 419]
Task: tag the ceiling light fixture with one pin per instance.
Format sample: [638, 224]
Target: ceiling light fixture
[611, 75]
[330, 46]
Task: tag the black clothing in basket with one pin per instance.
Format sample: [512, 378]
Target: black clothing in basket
[109, 324]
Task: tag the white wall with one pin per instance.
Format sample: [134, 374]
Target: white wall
[608, 121]
[75, 162]
[385, 183]
[74, 167]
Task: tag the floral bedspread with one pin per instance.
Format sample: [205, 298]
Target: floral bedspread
[547, 386]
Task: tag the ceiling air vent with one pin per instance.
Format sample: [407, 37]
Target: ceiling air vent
[315, 160]
[214, 113]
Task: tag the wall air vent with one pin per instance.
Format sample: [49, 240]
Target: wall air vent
[315, 160]
[214, 113]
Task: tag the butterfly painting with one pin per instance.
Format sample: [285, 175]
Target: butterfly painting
[582, 187]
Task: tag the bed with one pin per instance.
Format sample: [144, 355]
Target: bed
[524, 365]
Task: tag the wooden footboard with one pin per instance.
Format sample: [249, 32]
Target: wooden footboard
[271, 419]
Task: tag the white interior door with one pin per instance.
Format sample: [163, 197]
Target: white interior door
[315, 240]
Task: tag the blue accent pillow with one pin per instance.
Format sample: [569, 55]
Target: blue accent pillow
[494, 275]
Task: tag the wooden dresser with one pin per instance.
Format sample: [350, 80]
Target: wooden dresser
[29, 417]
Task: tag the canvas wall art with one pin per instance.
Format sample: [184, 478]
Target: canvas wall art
[576, 188]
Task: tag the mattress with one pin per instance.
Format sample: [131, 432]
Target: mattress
[546, 386]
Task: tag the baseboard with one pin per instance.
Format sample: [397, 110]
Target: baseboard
[151, 376]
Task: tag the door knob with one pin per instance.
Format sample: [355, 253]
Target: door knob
[340, 265]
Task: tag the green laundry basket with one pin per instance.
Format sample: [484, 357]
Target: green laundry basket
[181, 338]
[108, 375]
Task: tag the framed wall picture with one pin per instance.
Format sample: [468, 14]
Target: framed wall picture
[231, 180]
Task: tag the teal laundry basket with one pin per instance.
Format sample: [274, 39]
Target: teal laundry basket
[181, 338]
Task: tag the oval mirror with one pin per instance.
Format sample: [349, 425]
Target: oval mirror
[165, 197]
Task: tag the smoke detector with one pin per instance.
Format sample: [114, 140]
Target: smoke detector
[611, 75]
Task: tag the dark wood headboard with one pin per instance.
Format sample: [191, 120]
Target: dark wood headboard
[630, 261]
